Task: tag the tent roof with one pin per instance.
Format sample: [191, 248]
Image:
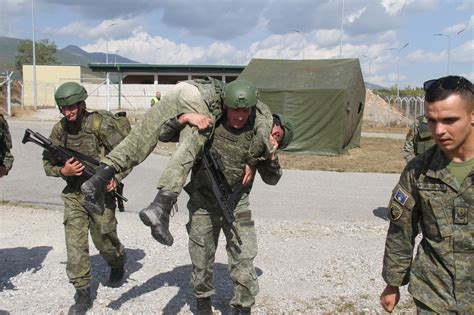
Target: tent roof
[269, 74]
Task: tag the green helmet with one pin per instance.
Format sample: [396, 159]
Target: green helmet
[240, 94]
[287, 126]
[69, 93]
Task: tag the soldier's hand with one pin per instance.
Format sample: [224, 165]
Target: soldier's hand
[389, 298]
[275, 146]
[111, 185]
[3, 171]
[249, 174]
[72, 168]
[200, 121]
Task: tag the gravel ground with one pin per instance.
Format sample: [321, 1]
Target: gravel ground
[303, 267]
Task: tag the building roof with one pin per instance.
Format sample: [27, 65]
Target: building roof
[140, 67]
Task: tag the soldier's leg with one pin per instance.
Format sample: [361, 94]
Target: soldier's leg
[203, 229]
[156, 215]
[241, 257]
[130, 152]
[103, 229]
[78, 268]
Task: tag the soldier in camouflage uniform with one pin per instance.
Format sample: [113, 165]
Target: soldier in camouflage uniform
[418, 139]
[189, 97]
[6, 158]
[436, 193]
[232, 140]
[88, 133]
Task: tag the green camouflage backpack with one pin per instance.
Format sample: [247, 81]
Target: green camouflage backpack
[120, 120]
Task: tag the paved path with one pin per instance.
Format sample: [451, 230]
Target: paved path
[300, 195]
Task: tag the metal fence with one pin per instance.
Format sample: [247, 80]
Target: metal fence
[396, 112]
[100, 95]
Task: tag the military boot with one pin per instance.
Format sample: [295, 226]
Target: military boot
[157, 216]
[116, 274]
[239, 310]
[94, 189]
[83, 302]
[204, 306]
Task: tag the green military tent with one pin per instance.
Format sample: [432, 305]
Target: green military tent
[324, 99]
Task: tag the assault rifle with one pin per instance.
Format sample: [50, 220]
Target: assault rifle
[226, 198]
[62, 154]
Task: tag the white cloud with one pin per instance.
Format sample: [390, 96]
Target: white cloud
[463, 53]
[393, 7]
[114, 28]
[351, 18]
[420, 55]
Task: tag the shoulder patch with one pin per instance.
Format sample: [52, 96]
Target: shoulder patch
[395, 211]
[401, 196]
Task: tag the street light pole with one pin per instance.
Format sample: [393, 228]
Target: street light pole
[34, 52]
[107, 62]
[449, 43]
[370, 62]
[398, 66]
[342, 29]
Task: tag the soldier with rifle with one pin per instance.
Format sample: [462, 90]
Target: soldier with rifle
[220, 201]
[90, 134]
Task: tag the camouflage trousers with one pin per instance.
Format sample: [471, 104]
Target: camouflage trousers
[204, 228]
[103, 230]
[187, 99]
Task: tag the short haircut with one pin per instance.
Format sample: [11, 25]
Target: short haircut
[440, 89]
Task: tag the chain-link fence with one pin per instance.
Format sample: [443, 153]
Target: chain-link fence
[101, 95]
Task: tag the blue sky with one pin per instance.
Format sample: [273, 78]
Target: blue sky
[232, 32]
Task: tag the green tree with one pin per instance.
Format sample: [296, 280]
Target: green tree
[45, 53]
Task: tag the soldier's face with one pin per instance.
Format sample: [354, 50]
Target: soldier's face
[451, 122]
[237, 118]
[72, 112]
[277, 133]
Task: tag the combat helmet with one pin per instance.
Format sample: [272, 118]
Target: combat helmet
[287, 126]
[69, 93]
[240, 94]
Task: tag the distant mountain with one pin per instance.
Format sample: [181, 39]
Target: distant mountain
[70, 55]
[372, 86]
[96, 56]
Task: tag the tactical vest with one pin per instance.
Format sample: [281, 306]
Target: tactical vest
[211, 93]
[84, 140]
[423, 140]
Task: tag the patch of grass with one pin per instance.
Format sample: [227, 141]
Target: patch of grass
[375, 155]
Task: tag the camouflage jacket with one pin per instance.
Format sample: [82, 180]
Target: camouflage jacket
[418, 139]
[233, 150]
[6, 158]
[428, 197]
[83, 139]
[145, 135]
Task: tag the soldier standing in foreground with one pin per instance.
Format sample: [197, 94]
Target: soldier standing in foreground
[88, 133]
[230, 144]
[418, 139]
[6, 158]
[436, 192]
